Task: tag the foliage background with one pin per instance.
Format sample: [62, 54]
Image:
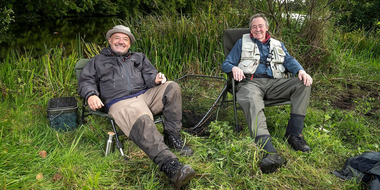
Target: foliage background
[342, 119]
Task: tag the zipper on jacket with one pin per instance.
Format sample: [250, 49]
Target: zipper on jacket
[121, 71]
[113, 79]
[118, 64]
[128, 78]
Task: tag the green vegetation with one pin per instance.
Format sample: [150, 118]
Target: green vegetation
[353, 15]
[6, 18]
[52, 9]
[342, 120]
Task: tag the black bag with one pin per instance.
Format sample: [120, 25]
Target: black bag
[365, 167]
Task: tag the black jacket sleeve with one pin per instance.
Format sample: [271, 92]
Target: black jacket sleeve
[88, 82]
[149, 72]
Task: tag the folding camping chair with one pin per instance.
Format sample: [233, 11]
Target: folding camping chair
[230, 36]
[201, 97]
[86, 111]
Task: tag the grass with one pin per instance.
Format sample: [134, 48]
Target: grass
[345, 103]
[224, 160]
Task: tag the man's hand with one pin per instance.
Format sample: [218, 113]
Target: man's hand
[94, 102]
[238, 73]
[160, 78]
[307, 80]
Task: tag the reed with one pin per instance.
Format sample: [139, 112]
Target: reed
[180, 44]
[51, 75]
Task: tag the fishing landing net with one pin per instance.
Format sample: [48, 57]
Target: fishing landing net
[200, 101]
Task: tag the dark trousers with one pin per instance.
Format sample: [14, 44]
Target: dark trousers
[251, 95]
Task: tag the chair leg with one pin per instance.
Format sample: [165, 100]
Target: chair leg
[238, 127]
[118, 143]
[83, 110]
[159, 119]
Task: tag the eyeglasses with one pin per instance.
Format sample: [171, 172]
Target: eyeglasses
[255, 27]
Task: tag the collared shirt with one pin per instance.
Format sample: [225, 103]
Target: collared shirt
[233, 59]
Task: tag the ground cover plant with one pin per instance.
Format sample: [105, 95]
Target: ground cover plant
[342, 119]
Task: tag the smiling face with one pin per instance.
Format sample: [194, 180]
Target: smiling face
[259, 28]
[120, 43]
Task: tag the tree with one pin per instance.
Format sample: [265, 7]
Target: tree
[6, 17]
[54, 9]
[357, 14]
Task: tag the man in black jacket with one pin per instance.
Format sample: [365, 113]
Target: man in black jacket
[132, 91]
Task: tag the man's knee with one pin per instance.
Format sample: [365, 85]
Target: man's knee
[306, 91]
[145, 135]
[141, 126]
[302, 86]
[172, 94]
[249, 99]
[172, 86]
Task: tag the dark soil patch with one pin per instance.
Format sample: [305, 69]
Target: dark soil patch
[344, 101]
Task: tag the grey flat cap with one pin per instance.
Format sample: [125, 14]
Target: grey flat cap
[121, 29]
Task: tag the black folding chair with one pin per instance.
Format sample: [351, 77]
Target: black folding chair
[86, 111]
[230, 37]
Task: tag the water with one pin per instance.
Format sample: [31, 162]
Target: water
[295, 16]
[36, 37]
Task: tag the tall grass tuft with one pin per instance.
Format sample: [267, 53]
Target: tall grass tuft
[183, 44]
[51, 75]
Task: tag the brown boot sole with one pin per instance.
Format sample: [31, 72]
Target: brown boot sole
[183, 176]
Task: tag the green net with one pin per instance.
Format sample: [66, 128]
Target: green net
[62, 113]
[64, 121]
[200, 101]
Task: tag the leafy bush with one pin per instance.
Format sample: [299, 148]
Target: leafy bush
[7, 17]
[357, 14]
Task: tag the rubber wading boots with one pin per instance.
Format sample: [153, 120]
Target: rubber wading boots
[271, 162]
[177, 173]
[297, 142]
[175, 141]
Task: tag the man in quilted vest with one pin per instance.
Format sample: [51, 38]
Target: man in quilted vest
[259, 62]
